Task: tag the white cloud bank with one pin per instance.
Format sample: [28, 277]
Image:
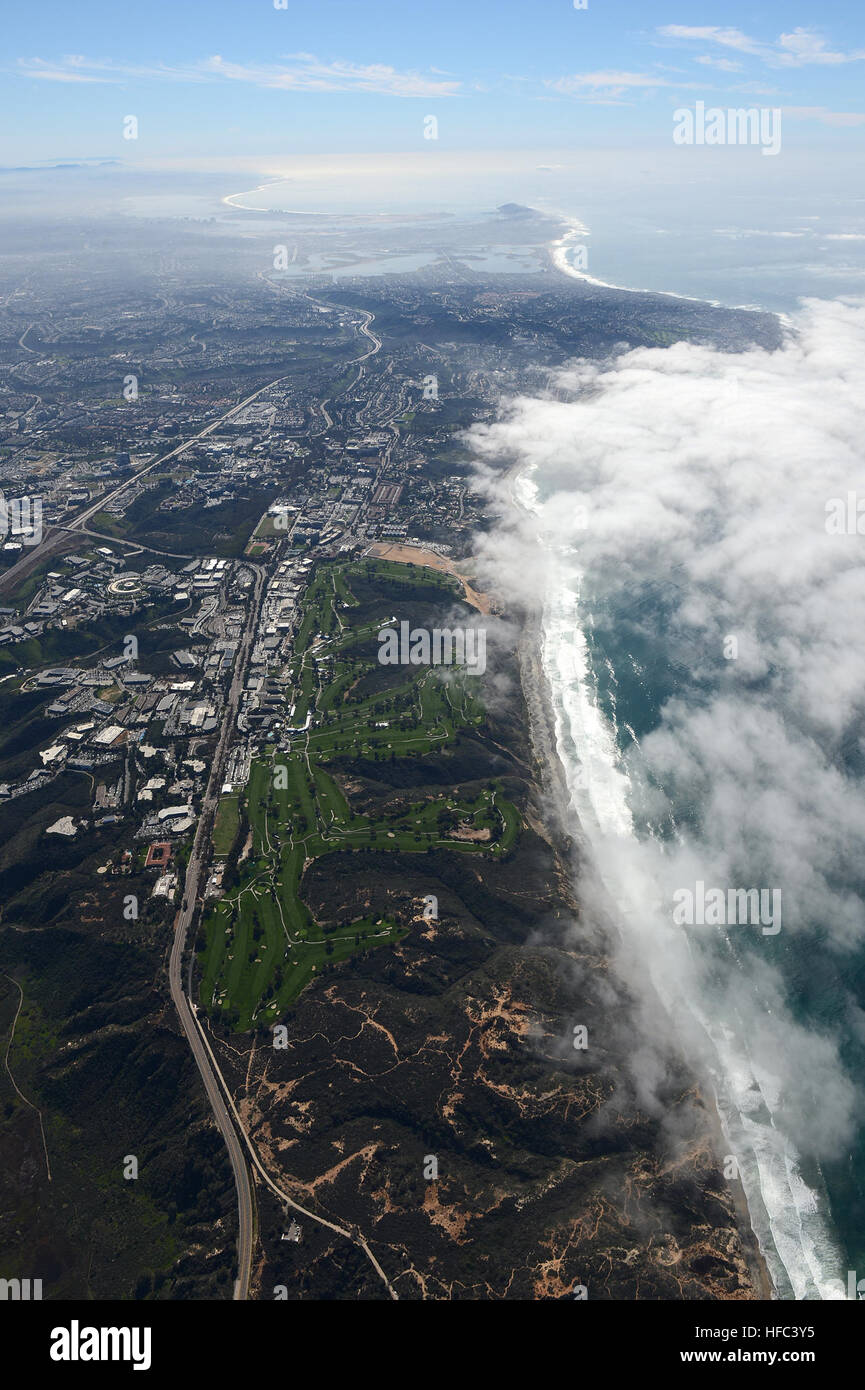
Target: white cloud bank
[705, 476]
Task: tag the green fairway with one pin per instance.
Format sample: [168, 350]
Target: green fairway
[225, 829]
[262, 943]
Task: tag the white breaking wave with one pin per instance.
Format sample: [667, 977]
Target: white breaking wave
[788, 1217]
[560, 254]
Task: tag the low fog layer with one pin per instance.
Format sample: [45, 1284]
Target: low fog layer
[715, 479]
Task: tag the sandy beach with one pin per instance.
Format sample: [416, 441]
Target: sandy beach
[416, 555]
[568, 835]
[552, 781]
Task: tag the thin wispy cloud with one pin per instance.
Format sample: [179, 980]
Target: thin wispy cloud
[308, 73]
[825, 116]
[66, 70]
[76, 68]
[609, 85]
[722, 64]
[298, 72]
[800, 48]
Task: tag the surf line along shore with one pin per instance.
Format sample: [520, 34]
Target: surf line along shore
[573, 846]
[561, 828]
[575, 853]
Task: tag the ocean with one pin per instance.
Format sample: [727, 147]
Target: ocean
[605, 698]
[777, 1023]
[734, 231]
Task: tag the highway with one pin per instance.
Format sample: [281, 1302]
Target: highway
[56, 537]
[13, 576]
[201, 843]
[353, 1235]
[207, 1066]
[53, 540]
[200, 848]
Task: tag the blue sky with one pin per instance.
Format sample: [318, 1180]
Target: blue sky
[238, 79]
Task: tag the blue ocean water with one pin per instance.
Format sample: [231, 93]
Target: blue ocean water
[635, 669]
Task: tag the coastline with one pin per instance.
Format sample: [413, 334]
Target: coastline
[552, 783]
[555, 820]
[557, 252]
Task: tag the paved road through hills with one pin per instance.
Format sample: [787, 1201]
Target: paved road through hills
[183, 922]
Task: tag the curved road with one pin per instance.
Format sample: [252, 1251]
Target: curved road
[353, 1235]
[200, 847]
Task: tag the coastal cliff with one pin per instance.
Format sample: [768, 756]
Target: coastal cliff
[436, 1100]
